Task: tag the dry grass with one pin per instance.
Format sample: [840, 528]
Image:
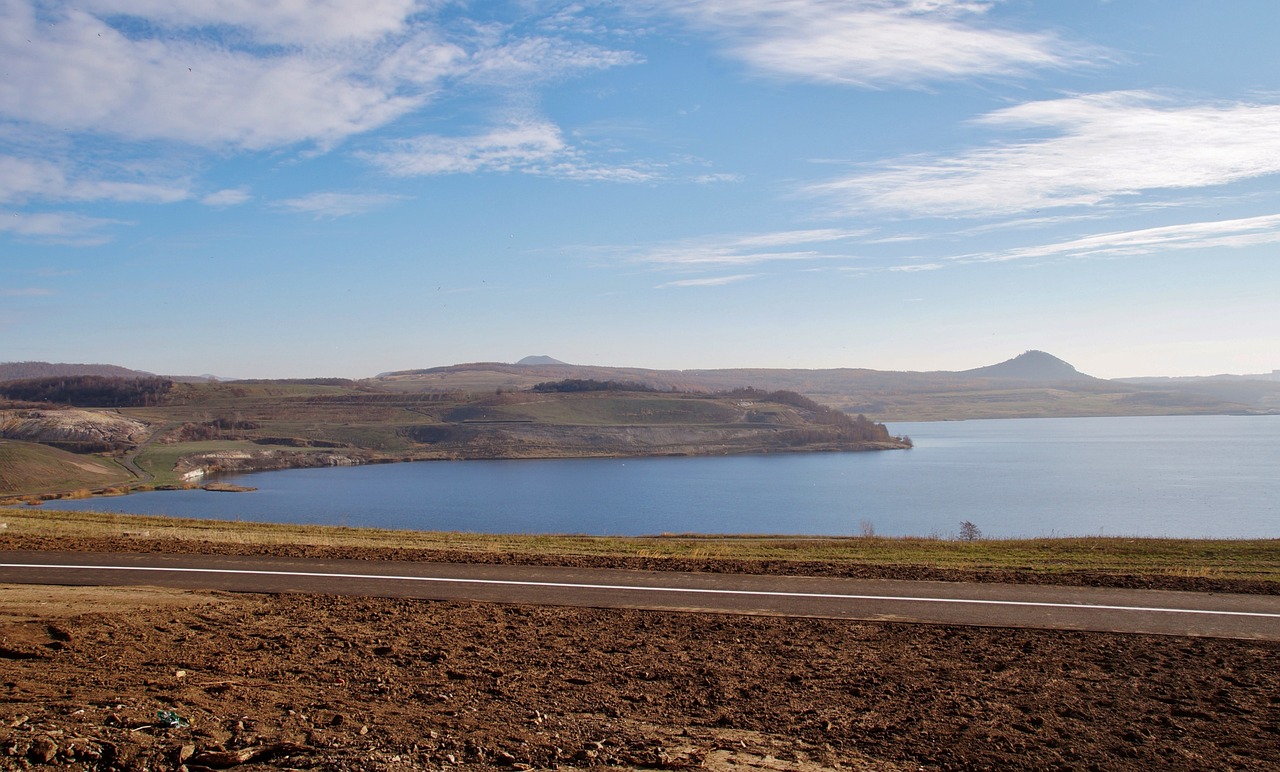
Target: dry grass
[1219, 559]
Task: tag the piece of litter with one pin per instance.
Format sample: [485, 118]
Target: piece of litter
[167, 718]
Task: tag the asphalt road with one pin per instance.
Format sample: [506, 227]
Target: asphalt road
[990, 605]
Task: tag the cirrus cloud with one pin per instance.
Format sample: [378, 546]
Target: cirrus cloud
[1215, 234]
[1101, 147]
[328, 204]
[875, 43]
[713, 281]
[530, 146]
[25, 179]
[748, 250]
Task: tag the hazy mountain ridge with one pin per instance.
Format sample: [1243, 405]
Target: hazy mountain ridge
[20, 371]
[23, 371]
[1032, 384]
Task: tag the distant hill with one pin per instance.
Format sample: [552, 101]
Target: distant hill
[1260, 392]
[1030, 366]
[17, 371]
[1033, 384]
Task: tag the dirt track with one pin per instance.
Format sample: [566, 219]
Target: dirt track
[352, 684]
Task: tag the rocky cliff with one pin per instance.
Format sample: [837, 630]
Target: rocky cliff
[82, 431]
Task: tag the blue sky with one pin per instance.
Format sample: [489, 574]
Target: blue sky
[276, 188]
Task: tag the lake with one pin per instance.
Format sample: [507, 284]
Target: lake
[1174, 476]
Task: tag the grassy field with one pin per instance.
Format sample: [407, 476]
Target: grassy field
[28, 467]
[1211, 559]
[634, 409]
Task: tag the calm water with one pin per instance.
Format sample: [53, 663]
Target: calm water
[1201, 476]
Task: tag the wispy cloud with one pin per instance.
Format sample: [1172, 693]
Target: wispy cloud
[25, 179]
[1105, 147]
[252, 75]
[748, 250]
[69, 68]
[227, 197]
[714, 281]
[330, 204]
[26, 292]
[57, 227]
[1216, 234]
[273, 21]
[529, 60]
[528, 146]
[875, 43]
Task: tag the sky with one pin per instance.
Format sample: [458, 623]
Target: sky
[294, 188]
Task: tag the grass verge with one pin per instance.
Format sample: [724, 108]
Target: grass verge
[1257, 559]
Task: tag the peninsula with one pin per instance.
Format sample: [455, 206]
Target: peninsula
[78, 435]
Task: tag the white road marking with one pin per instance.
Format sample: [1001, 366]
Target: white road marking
[642, 588]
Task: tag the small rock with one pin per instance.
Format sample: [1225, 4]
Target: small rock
[337, 720]
[43, 750]
[186, 752]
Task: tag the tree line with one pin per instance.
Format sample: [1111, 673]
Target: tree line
[89, 391]
[571, 385]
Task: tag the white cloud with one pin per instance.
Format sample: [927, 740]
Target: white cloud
[747, 250]
[714, 281]
[717, 178]
[56, 227]
[71, 70]
[227, 197]
[330, 204]
[26, 292]
[273, 21]
[530, 60]
[529, 146]
[781, 238]
[873, 43]
[1235, 233]
[24, 179]
[255, 74]
[1105, 146]
[915, 267]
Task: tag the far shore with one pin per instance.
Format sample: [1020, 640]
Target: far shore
[306, 460]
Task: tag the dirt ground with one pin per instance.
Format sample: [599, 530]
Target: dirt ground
[311, 682]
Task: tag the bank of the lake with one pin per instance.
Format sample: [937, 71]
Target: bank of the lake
[1183, 476]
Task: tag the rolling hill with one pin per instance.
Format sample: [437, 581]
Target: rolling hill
[19, 371]
[1033, 384]
[27, 467]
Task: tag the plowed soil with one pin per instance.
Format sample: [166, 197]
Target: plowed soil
[313, 682]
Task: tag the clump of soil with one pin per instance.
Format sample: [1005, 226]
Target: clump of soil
[312, 682]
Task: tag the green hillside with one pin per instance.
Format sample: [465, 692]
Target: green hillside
[27, 468]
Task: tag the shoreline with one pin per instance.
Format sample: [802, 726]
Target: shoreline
[269, 460]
